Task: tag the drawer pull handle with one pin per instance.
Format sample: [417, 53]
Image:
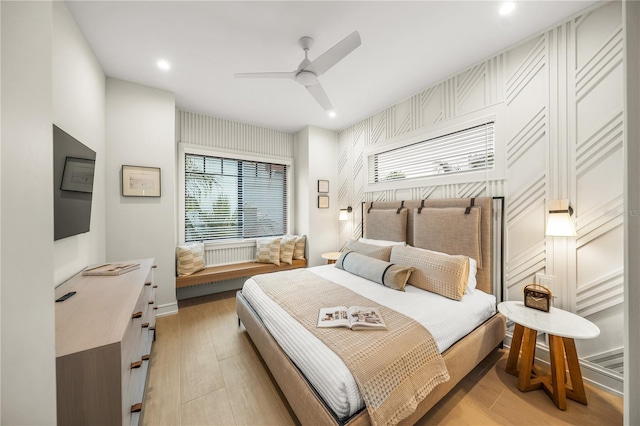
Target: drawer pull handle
[155, 286]
[147, 283]
[145, 325]
[136, 364]
[155, 308]
[146, 357]
[153, 327]
[136, 408]
[154, 266]
[151, 302]
[137, 314]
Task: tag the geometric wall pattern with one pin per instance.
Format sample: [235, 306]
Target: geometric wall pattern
[562, 95]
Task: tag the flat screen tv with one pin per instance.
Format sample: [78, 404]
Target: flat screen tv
[73, 171]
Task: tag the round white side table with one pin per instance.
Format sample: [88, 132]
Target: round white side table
[562, 327]
[331, 256]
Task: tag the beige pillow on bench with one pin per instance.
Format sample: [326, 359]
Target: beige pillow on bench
[268, 250]
[287, 247]
[190, 259]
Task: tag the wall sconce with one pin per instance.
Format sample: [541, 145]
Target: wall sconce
[344, 213]
[559, 223]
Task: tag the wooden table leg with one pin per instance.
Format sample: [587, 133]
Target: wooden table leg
[514, 351]
[558, 391]
[577, 392]
[525, 382]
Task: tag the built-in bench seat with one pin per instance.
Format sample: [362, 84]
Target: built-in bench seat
[236, 270]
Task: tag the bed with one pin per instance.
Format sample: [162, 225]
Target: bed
[396, 221]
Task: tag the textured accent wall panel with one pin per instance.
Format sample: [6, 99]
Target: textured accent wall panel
[563, 133]
[471, 93]
[214, 132]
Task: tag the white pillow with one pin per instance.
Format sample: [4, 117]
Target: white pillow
[383, 243]
[471, 281]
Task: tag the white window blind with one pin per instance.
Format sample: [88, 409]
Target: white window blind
[227, 198]
[458, 152]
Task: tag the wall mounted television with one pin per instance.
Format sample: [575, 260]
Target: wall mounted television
[73, 172]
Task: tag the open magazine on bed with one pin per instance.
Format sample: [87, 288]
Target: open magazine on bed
[353, 317]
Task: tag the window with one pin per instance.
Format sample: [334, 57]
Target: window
[467, 150]
[227, 198]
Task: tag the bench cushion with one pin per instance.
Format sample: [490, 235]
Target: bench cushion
[235, 270]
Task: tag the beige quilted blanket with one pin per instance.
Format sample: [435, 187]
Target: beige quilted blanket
[395, 369]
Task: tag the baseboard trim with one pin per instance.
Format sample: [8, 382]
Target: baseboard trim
[591, 373]
[167, 309]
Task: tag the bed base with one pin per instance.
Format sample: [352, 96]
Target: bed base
[460, 359]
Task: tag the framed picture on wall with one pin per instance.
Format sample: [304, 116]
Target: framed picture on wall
[78, 175]
[323, 201]
[138, 181]
[323, 186]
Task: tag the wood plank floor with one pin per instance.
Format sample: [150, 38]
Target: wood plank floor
[205, 371]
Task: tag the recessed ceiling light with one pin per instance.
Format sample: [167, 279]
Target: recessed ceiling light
[164, 65]
[507, 8]
[332, 113]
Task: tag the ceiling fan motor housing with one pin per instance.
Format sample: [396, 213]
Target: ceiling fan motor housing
[306, 78]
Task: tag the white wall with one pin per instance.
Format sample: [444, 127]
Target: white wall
[562, 94]
[140, 131]
[28, 381]
[316, 151]
[79, 109]
[632, 204]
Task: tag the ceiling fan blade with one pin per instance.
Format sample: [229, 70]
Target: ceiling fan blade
[318, 92]
[334, 55]
[291, 75]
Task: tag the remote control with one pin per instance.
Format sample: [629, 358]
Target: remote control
[65, 297]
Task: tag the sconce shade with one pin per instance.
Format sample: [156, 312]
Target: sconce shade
[559, 223]
[344, 213]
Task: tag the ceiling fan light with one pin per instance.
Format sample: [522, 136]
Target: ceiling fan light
[306, 78]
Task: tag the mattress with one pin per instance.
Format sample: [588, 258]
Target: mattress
[447, 320]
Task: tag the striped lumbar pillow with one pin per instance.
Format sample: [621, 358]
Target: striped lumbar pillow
[190, 259]
[268, 250]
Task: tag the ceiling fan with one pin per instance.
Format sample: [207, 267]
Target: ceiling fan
[308, 71]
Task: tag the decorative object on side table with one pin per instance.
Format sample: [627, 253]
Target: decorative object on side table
[138, 181]
[538, 297]
[562, 327]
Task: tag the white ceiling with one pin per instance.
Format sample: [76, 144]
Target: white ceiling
[406, 46]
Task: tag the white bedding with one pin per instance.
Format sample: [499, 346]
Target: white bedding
[447, 320]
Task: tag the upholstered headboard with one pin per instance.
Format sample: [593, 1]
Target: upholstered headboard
[453, 231]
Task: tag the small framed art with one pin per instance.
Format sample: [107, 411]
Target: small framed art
[323, 201]
[323, 186]
[138, 181]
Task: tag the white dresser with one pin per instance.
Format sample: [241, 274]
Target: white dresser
[104, 335]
